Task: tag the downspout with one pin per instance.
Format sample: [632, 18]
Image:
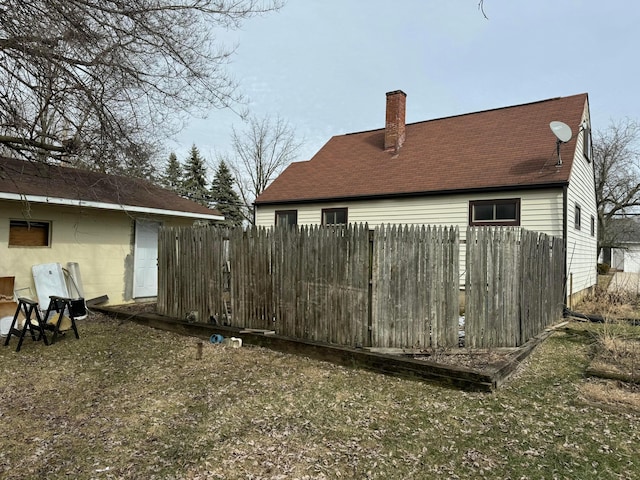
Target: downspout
[565, 202]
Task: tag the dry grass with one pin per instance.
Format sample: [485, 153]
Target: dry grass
[128, 402]
[615, 353]
[613, 305]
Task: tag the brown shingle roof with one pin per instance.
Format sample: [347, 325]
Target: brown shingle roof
[494, 149]
[55, 183]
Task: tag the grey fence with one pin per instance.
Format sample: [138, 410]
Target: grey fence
[514, 285]
[393, 286]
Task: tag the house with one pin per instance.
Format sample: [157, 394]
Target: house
[504, 166]
[624, 253]
[107, 225]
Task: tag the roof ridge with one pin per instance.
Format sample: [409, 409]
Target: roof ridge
[506, 107]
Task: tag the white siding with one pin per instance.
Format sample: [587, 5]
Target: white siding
[582, 247]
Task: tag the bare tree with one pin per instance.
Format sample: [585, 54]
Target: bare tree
[92, 80]
[260, 153]
[617, 175]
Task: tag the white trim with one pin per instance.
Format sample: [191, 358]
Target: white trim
[106, 206]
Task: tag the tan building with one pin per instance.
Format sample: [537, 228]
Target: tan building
[497, 167]
[107, 225]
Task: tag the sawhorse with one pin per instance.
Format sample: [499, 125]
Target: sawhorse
[33, 325]
[59, 305]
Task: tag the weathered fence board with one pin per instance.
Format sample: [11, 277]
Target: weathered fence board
[415, 287]
[310, 283]
[513, 285]
[542, 288]
[492, 262]
[395, 286]
[191, 272]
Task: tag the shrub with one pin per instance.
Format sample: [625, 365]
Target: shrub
[603, 268]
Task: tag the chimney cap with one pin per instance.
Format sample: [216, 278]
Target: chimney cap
[396, 92]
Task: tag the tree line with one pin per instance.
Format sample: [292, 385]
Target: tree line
[259, 153]
[189, 180]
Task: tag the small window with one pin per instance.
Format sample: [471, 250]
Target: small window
[577, 218]
[586, 142]
[29, 234]
[593, 226]
[334, 216]
[286, 217]
[503, 212]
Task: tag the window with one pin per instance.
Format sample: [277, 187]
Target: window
[334, 216]
[286, 217]
[29, 234]
[503, 212]
[593, 226]
[577, 218]
[586, 142]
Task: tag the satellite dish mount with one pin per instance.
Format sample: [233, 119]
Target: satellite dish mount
[563, 134]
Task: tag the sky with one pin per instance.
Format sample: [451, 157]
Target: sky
[324, 66]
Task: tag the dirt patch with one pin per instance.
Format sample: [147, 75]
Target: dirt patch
[483, 361]
[135, 308]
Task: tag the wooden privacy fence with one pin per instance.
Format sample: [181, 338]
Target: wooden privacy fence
[191, 272]
[415, 287]
[393, 286]
[514, 285]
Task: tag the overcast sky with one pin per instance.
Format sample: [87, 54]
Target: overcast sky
[325, 65]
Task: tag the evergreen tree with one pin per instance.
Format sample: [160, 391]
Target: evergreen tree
[194, 182]
[224, 198]
[172, 176]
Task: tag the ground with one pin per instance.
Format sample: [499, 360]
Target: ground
[126, 401]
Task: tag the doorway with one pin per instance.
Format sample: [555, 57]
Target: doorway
[145, 259]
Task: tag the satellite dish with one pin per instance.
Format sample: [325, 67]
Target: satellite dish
[561, 130]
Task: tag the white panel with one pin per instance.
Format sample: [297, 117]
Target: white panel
[49, 280]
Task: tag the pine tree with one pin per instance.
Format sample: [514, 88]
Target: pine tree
[194, 182]
[172, 176]
[224, 198]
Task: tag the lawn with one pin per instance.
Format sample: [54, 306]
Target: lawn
[126, 401]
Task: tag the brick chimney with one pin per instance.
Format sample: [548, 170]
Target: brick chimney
[395, 125]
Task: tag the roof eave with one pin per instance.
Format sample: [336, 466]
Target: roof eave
[107, 206]
[502, 188]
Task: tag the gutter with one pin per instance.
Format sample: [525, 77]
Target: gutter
[106, 206]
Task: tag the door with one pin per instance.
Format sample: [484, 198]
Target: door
[145, 259]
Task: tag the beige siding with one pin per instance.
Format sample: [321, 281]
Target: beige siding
[582, 247]
[100, 241]
[541, 211]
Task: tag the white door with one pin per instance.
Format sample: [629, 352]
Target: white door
[145, 259]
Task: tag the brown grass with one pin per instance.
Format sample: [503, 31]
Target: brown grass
[129, 402]
[615, 352]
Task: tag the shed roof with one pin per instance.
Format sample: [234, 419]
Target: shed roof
[52, 184]
[504, 148]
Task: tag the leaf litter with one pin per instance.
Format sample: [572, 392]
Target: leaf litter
[127, 401]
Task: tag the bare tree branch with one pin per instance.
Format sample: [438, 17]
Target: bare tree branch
[110, 77]
[260, 153]
[616, 154]
[481, 8]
